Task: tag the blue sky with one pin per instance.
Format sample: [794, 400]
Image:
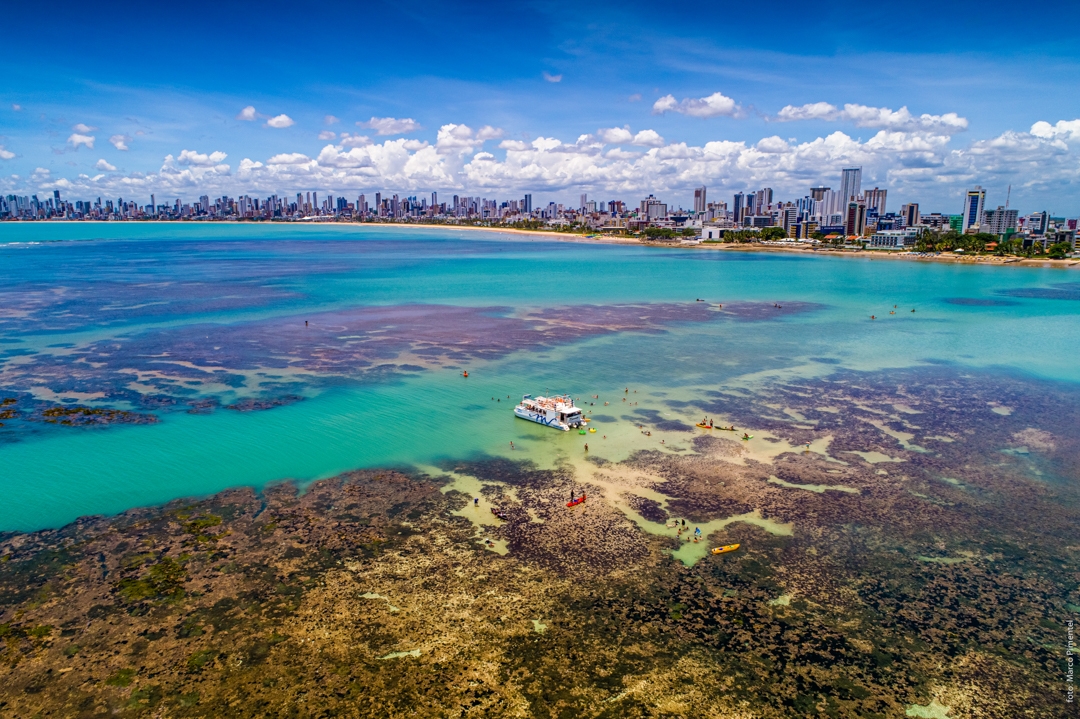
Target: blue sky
[556, 85]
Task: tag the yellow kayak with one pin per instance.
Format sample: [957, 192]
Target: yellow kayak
[726, 548]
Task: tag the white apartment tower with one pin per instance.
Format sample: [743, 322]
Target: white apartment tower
[850, 184]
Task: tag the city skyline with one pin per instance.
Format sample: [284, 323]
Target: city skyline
[549, 99]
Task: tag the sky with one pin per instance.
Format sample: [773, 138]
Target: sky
[556, 99]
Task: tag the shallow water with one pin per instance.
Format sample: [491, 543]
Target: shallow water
[64, 287]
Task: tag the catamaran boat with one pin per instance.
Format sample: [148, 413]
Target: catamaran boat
[557, 411]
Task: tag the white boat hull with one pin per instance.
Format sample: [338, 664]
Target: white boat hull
[541, 419]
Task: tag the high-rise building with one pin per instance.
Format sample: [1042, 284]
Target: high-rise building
[973, 208]
[739, 207]
[855, 221]
[818, 193]
[1037, 222]
[875, 200]
[999, 221]
[910, 213]
[850, 184]
[699, 200]
[584, 201]
[528, 204]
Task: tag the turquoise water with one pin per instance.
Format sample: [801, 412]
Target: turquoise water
[75, 284]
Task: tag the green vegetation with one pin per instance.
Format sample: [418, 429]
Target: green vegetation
[121, 678]
[164, 580]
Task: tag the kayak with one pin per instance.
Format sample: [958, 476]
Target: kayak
[726, 548]
[581, 431]
[749, 436]
[592, 429]
[703, 426]
[576, 502]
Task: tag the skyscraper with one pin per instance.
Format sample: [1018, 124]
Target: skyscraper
[910, 213]
[435, 200]
[528, 204]
[850, 184]
[584, 201]
[738, 206]
[818, 193]
[855, 220]
[875, 200]
[999, 221]
[699, 201]
[973, 208]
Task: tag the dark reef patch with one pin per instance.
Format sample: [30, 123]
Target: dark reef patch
[978, 302]
[1058, 291]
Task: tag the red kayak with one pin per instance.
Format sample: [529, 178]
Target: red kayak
[576, 502]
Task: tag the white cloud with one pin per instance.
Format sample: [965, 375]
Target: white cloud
[391, 125]
[16, 107]
[190, 157]
[83, 129]
[280, 121]
[327, 135]
[330, 119]
[875, 117]
[461, 138]
[289, 158]
[616, 135]
[77, 139]
[6, 154]
[102, 164]
[648, 138]
[715, 105]
[1064, 130]
[120, 141]
[636, 97]
[248, 114]
[348, 140]
[811, 111]
[552, 78]
[909, 162]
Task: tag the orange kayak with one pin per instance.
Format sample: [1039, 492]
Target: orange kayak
[726, 548]
[576, 502]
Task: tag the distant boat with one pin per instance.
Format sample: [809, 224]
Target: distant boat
[726, 548]
[557, 411]
[576, 502]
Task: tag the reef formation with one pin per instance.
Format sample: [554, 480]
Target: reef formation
[922, 562]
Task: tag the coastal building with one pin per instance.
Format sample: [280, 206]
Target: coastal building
[910, 214]
[894, 239]
[850, 184]
[875, 200]
[973, 209]
[999, 221]
[855, 222]
[1036, 223]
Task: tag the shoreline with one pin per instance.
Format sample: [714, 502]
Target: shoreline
[994, 260]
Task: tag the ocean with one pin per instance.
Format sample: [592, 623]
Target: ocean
[200, 327]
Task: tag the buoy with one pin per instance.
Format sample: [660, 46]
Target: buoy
[592, 429]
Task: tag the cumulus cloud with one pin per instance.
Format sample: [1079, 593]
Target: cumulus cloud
[83, 128]
[120, 141]
[190, 157]
[280, 121]
[648, 138]
[461, 138]
[248, 114]
[391, 125]
[348, 140]
[715, 105]
[1066, 130]
[76, 139]
[6, 154]
[552, 78]
[330, 120]
[875, 117]
[327, 135]
[16, 107]
[908, 162]
[103, 164]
